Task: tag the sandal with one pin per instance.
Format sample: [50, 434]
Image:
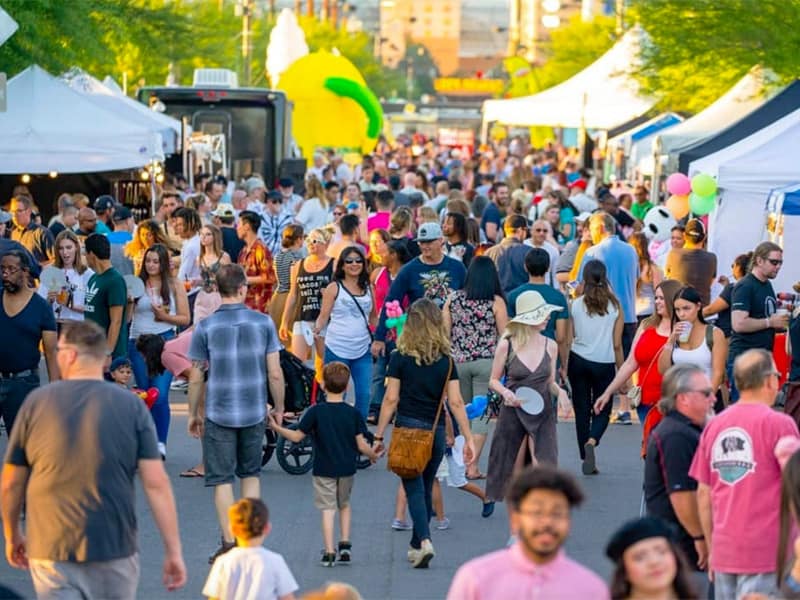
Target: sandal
[193, 472]
[476, 477]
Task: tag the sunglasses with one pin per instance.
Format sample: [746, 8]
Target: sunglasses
[312, 241]
[775, 261]
[338, 214]
[353, 261]
[275, 201]
[540, 230]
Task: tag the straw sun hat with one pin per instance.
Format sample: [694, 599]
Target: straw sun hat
[532, 309]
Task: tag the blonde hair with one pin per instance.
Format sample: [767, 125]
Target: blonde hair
[426, 214]
[314, 189]
[400, 221]
[323, 232]
[424, 336]
[518, 335]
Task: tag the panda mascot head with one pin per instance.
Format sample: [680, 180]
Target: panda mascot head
[658, 222]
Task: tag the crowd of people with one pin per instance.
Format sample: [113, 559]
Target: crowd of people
[482, 300]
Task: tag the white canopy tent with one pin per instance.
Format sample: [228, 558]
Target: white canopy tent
[746, 95]
[50, 127]
[634, 144]
[746, 173]
[127, 108]
[601, 96]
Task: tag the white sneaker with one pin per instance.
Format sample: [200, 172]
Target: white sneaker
[426, 554]
[162, 449]
[442, 524]
[412, 554]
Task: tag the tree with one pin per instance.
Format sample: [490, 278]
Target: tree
[699, 48]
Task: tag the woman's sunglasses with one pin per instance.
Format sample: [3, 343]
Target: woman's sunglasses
[353, 261]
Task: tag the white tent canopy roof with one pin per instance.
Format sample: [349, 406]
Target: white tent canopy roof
[745, 96]
[127, 108]
[601, 96]
[50, 127]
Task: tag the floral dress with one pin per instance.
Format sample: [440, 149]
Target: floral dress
[257, 262]
[474, 328]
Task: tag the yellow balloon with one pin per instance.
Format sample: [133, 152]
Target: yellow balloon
[320, 117]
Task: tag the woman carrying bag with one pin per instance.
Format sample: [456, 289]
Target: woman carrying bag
[421, 376]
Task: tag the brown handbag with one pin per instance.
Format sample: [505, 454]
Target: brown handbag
[410, 449]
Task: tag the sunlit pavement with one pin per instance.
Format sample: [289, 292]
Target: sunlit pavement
[379, 568]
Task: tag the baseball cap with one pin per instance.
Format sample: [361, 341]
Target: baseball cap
[5, 217]
[122, 213]
[583, 217]
[285, 182]
[275, 195]
[429, 232]
[104, 203]
[393, 164]
[119, 362]
[253, 183]
[224, 210]
[578, 183]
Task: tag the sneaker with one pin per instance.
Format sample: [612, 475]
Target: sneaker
[400, 525]
[425, 555]
[412, 554]
[345, 549]
[442, 524]
[589, 466]
[162, 450]
[328, 559]
[223, 548]
[488, 509]
[624, 418]
[179, 385]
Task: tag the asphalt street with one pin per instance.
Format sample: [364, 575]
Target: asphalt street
[379, 569]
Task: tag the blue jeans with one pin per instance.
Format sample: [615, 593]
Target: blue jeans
[731, 382]
[420, 489]
[12, 393]
[361, 372]
[160, 410]
[379, 378]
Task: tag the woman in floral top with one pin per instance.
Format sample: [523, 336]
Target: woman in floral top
[256, 260]
[476, 316]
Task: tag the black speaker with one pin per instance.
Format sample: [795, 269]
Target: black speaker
[294, 169]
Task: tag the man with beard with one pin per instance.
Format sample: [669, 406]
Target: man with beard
[26, 319]
[495, 210]
[535, 566]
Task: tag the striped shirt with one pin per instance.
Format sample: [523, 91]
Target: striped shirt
[235, 341]
[283, 267]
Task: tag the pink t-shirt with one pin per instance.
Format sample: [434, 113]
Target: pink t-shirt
[736, 460]
[509, 573]
[379, 220]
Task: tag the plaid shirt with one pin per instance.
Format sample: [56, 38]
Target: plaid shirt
[235, 341]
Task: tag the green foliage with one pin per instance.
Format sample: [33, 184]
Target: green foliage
[141, 38]
[699, 48]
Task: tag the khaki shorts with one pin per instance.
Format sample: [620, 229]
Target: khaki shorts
[331, 493]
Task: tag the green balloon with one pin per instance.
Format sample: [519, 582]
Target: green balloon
[704, 185]
[701, 205]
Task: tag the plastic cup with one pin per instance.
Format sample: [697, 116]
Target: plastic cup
[686, 331]
[63, 296]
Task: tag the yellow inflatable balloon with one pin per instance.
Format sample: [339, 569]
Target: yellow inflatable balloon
[333, 107]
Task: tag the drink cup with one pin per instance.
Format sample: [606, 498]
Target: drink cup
[783, 313]
[63, 296]
[686, 331]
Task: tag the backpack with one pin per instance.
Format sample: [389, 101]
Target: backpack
[300, 387]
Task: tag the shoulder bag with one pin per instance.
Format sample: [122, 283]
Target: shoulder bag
[361, 310]
[635, 392]
[410, 449]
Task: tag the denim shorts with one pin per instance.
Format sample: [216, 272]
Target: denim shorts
[231, 451]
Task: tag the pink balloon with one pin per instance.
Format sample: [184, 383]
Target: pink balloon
[679, 184]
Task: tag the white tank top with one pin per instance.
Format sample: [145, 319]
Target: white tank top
[700, 356]
[594, 334]
[143, 318]
[347, 334]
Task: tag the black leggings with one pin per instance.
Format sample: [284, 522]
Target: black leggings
[588, 380]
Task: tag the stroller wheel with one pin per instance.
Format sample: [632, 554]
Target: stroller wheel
[295, 458]
[268, 446]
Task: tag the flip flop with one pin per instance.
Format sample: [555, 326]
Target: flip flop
[476, 477]
[192, 473]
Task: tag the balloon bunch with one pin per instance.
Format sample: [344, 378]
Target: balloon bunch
[697, 194]
[477, 407]
[396, 318]
[148, 396]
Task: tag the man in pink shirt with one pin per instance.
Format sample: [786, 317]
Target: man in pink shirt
[384, 200]
[540, 500]
[739, 481]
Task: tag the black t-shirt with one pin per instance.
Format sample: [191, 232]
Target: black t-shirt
[231, 242]
[333, 427]
[25, 331]
[794, 338]
[757, 299]
[670, 450]
[462, 251]
[724, 316]
[82, 441]
[421, 386]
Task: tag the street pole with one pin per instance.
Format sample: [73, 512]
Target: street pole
[620, 10]
[247, 6]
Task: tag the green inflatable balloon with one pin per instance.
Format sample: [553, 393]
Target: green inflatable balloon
[701, 205]
[704, 185]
